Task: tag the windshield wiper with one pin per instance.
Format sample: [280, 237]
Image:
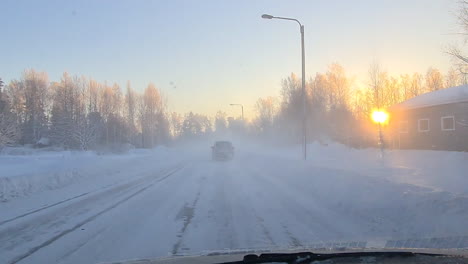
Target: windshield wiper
[307, 257]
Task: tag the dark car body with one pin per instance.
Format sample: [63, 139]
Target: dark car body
[222, 150]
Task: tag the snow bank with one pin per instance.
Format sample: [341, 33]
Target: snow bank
[407, 194]
[439, 170]
[24, 171]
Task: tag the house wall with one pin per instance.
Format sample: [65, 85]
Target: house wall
[435, 138]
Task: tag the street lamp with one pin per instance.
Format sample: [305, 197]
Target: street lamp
[242, 108]
[304, 126]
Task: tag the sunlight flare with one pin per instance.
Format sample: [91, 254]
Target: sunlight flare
[379, 116]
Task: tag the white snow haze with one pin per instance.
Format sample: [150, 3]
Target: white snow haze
[81, 207]
[184, 131]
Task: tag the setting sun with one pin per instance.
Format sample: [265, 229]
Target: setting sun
[379, 117]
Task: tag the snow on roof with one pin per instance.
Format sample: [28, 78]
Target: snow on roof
[445, 96]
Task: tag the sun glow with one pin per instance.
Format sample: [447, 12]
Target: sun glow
[379, 116]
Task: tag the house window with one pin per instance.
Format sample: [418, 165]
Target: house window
[403, 127]
[447, 123]
[423, 125]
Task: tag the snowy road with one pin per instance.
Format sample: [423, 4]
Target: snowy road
[198, 205]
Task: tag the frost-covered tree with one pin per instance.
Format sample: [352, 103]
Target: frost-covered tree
[9, 130]
[434, 80]
[176, 122]
[317, 106]
[86, 130]
[3, 99]
[289, 119]
[338, 86]
[392, 91]
[417, 87]
[29, 102]
[153, 120]
[196, 125]
[220, 122]
[377, 83]
[405, 86]
[452, 78]
[266, 109]
[458, 51]
[67, 109]
[130, 103]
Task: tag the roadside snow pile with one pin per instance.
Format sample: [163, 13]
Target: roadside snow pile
[438, 170]
[25, 171]
[406, 196]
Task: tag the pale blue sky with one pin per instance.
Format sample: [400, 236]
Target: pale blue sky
[218, 52]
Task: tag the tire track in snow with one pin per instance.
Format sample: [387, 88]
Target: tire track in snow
[91, 218]
[186, 214]
[314, 216]
[9, 236]
[265, 231]
[295, 210]
[111, 186]
[44, 208]
[80, 245]
[227, 235]
[294, 241]
[16, 234]
[239, 193]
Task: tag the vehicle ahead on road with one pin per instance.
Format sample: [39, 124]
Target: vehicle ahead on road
[222, 150]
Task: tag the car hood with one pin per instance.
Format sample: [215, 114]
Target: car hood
[238, 255]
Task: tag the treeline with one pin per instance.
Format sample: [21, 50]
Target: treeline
[337, 107]
[81, 113]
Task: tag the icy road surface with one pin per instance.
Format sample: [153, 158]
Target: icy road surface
[192, 204]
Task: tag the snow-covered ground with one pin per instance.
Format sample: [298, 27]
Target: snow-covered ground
[27, 171]
[65, 207]
[440, 170]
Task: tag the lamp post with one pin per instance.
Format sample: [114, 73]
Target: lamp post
[304, 125]
[242, 108]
